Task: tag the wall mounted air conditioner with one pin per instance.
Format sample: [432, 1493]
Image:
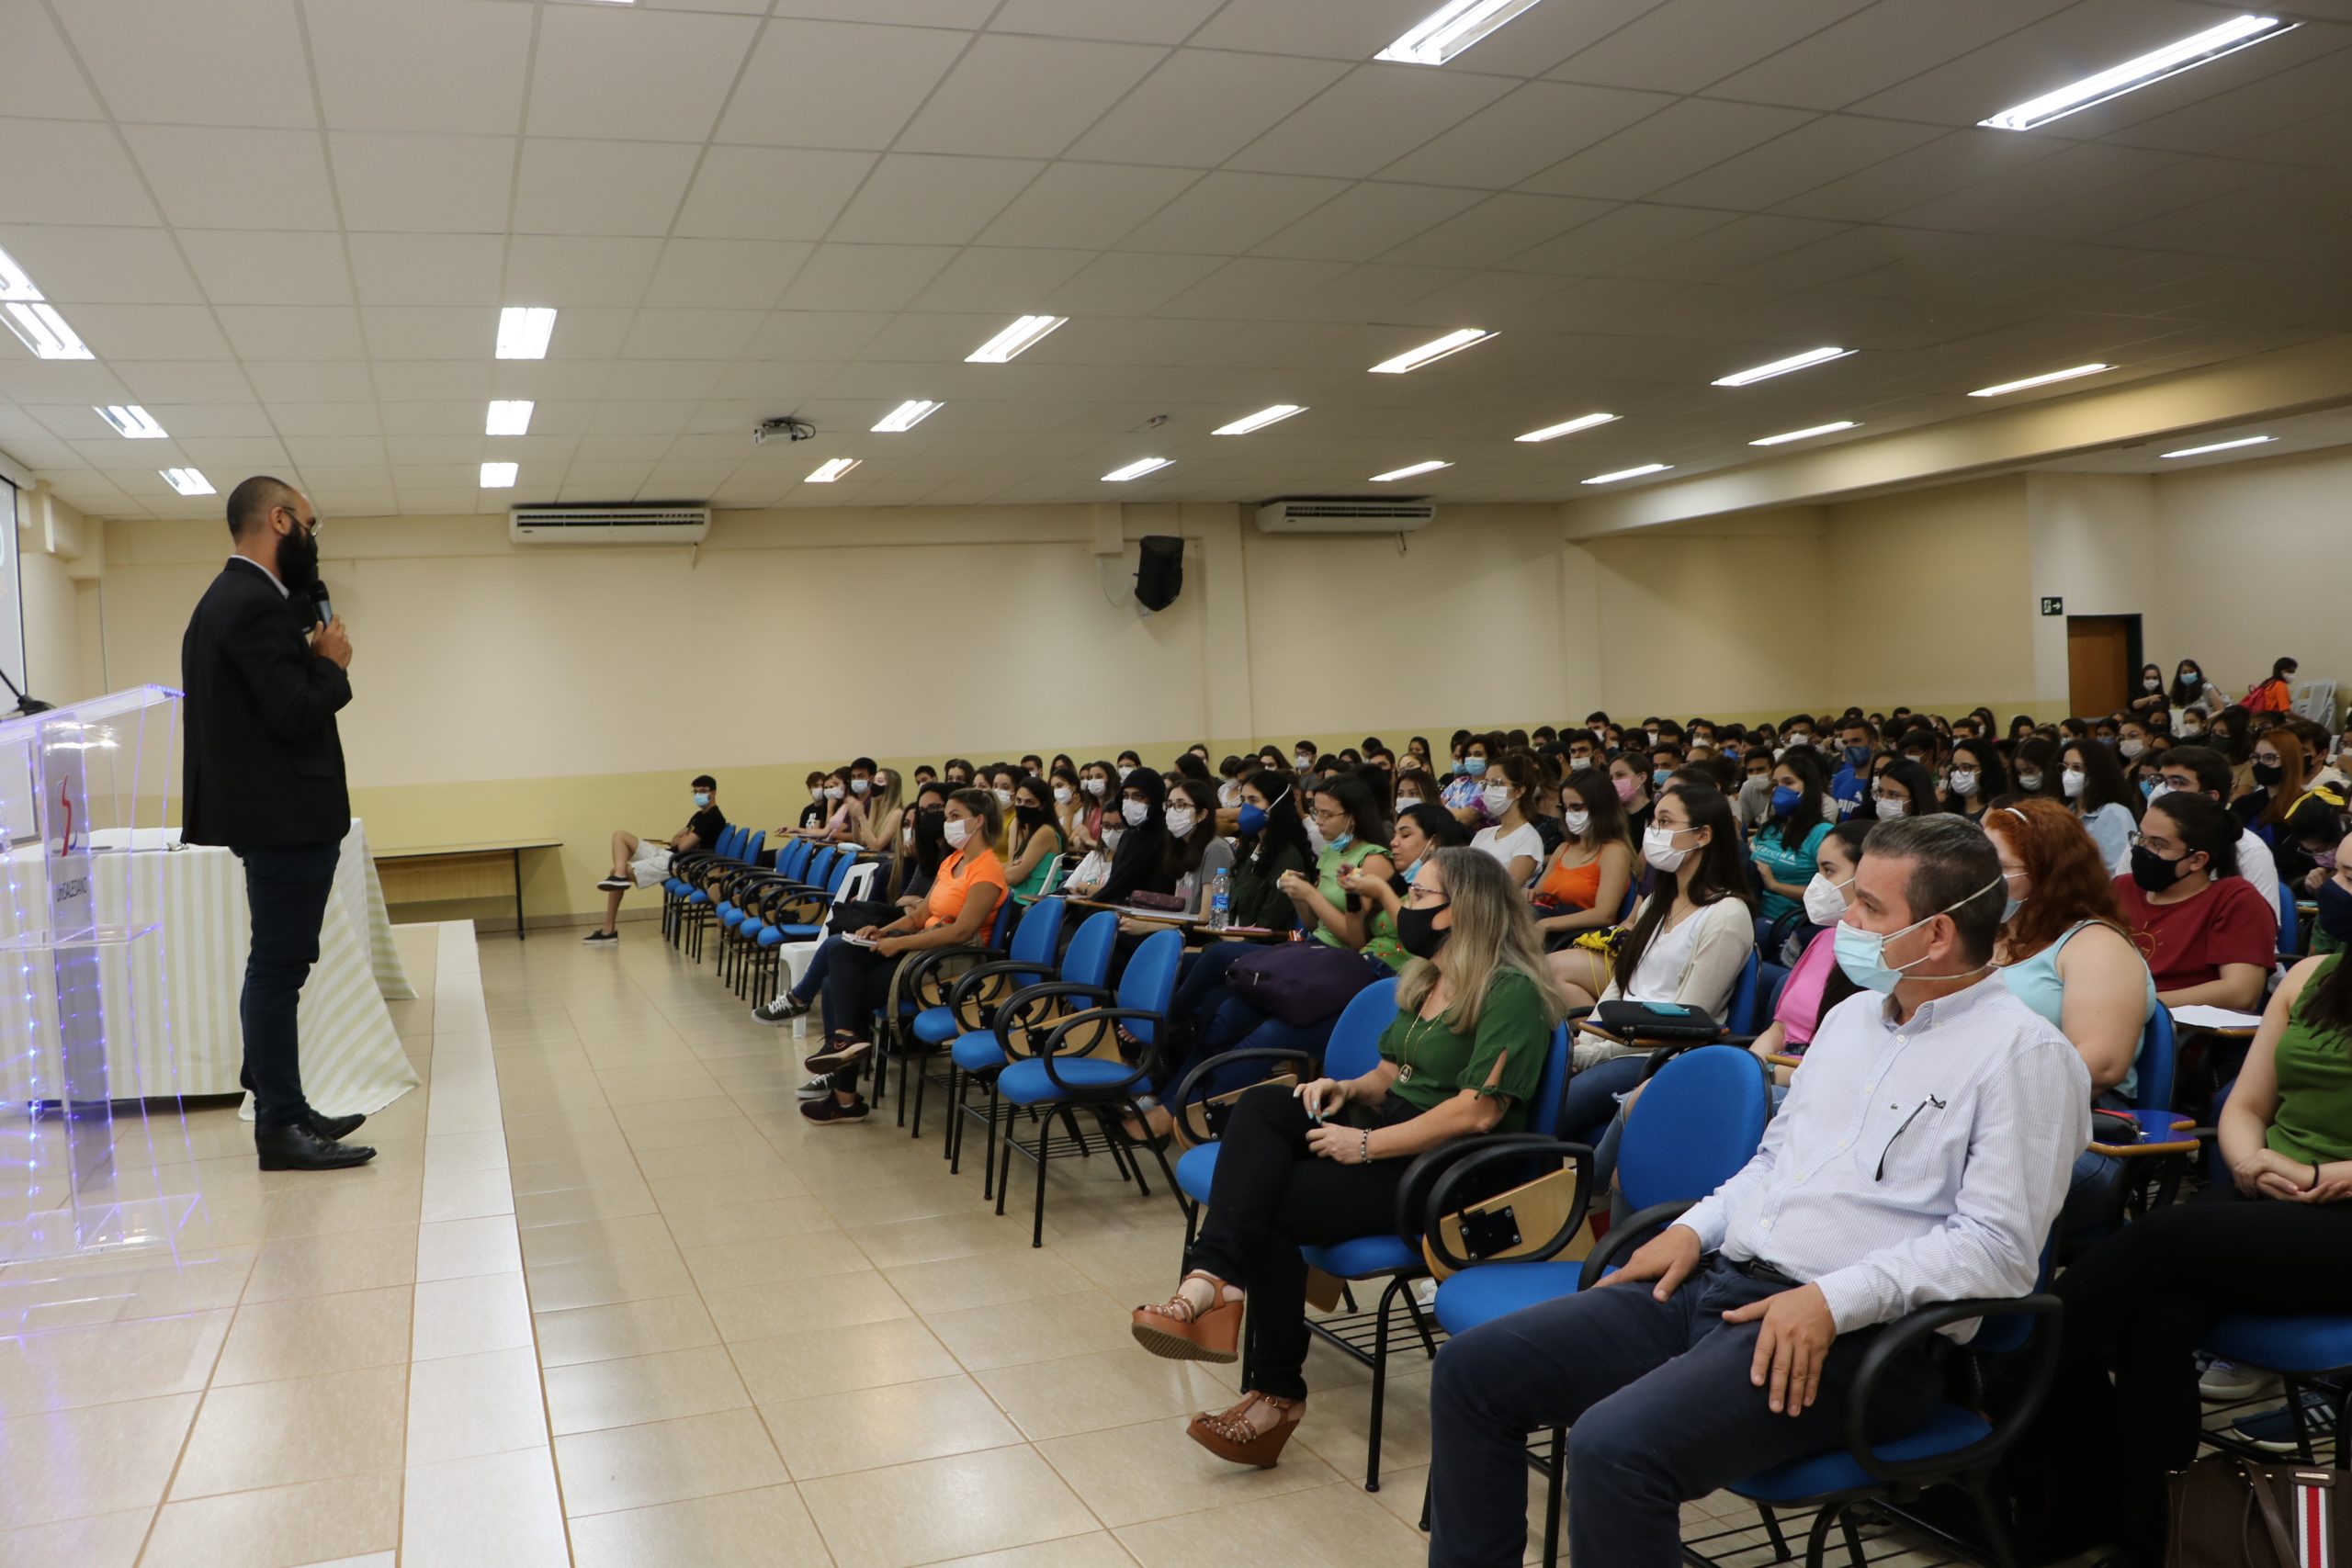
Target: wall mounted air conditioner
[623, 525]
[1338, 514]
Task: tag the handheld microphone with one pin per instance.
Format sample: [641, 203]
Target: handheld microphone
[318, 598]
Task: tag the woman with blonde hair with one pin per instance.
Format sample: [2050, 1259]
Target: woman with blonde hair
[875, 820]
[1309, 1167]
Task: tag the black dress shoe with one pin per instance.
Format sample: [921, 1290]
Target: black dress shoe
[295, 1146]
[334, 1129]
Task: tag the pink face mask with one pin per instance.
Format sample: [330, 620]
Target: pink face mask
[1627, 789]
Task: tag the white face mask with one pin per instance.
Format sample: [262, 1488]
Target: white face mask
[1964, 783]
[2130, 745]
[1315, 839]
[832, 791]
[1228, 793]
[1578, 765]
[1497, 799]
[859, 786]
[1658, 847]
[1888, 810]
[1123, 773]
[2071, 781]
[1181, 819]
[1824, 900]
[1405, 803]
[2154, 685]
[2028, 782]
[1061, 795]
[818, 793]
[1576, 822]
[959, 831]
[1135, 812]
[1003, 797]
[2164, 786]
[1304, 760]
[1093, 787]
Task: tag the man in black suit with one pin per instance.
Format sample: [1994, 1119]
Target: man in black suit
[264, 778]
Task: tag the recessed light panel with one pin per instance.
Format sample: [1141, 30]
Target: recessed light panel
[1451, 29]
[498, 475]
[906, 416]
[1567, 427]
[2043, 379]
[524, 331]
[1409, 471]
[1259, 421]
[2221, 445]
[1807, 433]
[510, 417]
[1805, 361]
[826, 473]
[131, 421]
[1137, 469]
[188, 481]
[1628, 473]
[1015, 340]
[40, 328]
[1432, 352]
[2198, 49]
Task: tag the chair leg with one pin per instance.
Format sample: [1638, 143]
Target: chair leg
[1556, 1487]
[1779, 1538]
[1379, 1384]
[922, 1078]
[1853, 1541]
[1003, 1170]
[1044, 1143]
[988, 1164]
[1816, 1543]
[951, 1142]
[1421, 1324]
[1995, 1535]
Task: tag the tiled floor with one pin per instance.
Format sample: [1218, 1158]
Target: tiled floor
[605, 1298]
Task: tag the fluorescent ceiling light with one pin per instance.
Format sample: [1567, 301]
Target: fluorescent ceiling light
[1568, 427]
[1628, 473]
[15, 283]
[131, 421]
[1432, 352]
[906, 416]
[524, 331]
[2221, 445]
[510, 418]
[2044, 380]
[1137, 469]
[1409, 471]
[188, 481]
[1259, 421]
[2146, 71]
[827, 473]
[498, 475]
[1017, 339]
[1808, 432]
[1811, 357]
[40, 328]
[1451, 29]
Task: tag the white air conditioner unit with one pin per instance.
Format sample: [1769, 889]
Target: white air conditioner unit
[623, 525]
[1341, 515]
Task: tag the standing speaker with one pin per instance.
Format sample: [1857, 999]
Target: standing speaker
[1160, 571]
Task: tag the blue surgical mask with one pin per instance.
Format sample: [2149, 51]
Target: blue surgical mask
[1858, 757]
[1474, 766]
[1863, 954]
[701, 800]
[1253, 818]
[1784, 800]
[1659, 775]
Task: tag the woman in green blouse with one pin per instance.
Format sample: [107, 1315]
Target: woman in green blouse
[1322, 1163]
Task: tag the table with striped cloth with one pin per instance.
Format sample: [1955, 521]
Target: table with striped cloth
[170, 995]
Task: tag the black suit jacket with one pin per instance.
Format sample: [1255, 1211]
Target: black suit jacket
[263, 763]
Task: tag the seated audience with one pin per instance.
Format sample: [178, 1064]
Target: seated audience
[1583, 883]
[638, 863]
[1345, 826]
[2151, 694]
[1975, 780]
[813, 815]
[2275, 1237]
[1814, 983]
[2276, 695]
[1512, 784]
[2330, 885]
[1415, 836]
[2034, 768]
[1857, 743]
[1782, 850]
[1629, 775]
[1322, 1164]
[1037, 842]
[2192, 693]
[2200, 770]
[1139, 858]
[1902, 787]
[1897, 1174]
[2214, 939]
[1196, 854]
[874, 812]
[2289, 807]
[2093, 782]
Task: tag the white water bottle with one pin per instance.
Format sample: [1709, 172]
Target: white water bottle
[1221, 899]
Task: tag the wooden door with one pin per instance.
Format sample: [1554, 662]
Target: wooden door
[2098, 663]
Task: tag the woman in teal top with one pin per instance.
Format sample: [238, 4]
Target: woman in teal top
[1347, 830]
[1037, 842]
[1785, 848]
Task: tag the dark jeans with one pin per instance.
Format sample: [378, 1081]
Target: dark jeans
[856, 983]
[812, 980]
[285, 893]
[2138, 1303]
[1270, 1198]
[1661, 1410]
[1588, 1115]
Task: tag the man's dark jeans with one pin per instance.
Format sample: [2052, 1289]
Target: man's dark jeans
[286, 892]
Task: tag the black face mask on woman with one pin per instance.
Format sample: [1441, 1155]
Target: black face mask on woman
[2267, 774]
[2152, 870]
[1417, 933]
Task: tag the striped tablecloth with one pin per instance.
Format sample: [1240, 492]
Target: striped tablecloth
[170, 995]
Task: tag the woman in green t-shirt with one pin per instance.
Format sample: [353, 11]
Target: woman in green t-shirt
[1322, 1163]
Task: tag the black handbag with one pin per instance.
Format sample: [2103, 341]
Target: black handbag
[1656, 1021]
[1298, 982]
[860, 913]
[2233, 1513]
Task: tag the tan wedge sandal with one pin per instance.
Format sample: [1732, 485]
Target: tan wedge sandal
[1232, 1437]
[1181, 1332]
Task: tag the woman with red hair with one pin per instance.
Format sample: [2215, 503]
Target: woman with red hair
[2066, 952]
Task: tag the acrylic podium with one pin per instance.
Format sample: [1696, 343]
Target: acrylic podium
[80, 1168]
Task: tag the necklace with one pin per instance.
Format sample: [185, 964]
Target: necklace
[1404, 1048]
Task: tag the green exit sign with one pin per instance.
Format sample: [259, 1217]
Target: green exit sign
[2052, 607]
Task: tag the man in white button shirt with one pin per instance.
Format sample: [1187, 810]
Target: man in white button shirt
[1922, 1155]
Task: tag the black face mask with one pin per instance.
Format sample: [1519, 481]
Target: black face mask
[1417, 931]
[1030, 816]
[298, 560]
[2267, 774]
[2152, 870]
[2335, 910]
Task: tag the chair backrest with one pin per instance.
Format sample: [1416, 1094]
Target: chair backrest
[1743, 1020]
[793, 859]
[754, 847]
[1551, 1097]
[2288, 933]
[1000, 924]
[837, 880]
[1150, 979]
[1039, 932]
[2155, 1062]
[728, 837]
[1353, 1049]
[1770, 978]
[1088, 960]
[1632, 892]
[821, 868]
[1699, 1120]
[858, 881]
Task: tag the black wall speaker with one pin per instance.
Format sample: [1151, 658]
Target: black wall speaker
[1160, 571]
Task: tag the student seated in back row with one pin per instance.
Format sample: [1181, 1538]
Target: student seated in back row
[638, 863]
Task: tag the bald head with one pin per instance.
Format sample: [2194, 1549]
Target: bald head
[251, 502]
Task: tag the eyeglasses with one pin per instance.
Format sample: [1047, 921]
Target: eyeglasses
[2153, 846]
[1420, 897]
[1329, 814]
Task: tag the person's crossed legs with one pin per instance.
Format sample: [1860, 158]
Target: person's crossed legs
[628, 848]
[1661, 1411]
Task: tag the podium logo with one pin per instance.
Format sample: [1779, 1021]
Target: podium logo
[65, 816]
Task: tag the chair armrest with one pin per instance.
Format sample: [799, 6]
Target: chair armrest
[1097, 1016]
[1029, 996]
[971, 979]
[1182, 1101]
[1911, 1330]
[1466, 1157]
[1783, 1059]
[1623, 1237]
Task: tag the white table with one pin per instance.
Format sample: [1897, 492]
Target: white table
[171, 995]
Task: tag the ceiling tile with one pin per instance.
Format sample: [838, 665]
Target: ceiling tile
[150, 331]
[264, 268]
[741, 274]
[294, 380]
[1727, 253]
[865, 277]
[812, 335]
[600, 187]
[620, 70]
[1373, 116]
[1229, 213]
[1614, 239]
[433, 380]
[185, 381]
[392, 67]
[549, 380]
[43, 80]
[1806, 158]
[830, 85]
[1523, 134]
[1332, 30]
[208, 177]
[444, 184]
[1137, 21]
[200, 420]
[427, 332]
[158, 60]
[666, 379]
[292, 332]
[1957, 160]
[1683, 45]
[571, 272]
[585, 334]
[759, 193]
[335, 451]
[1252, 288]
[1671, 145]
[1085, 205]
[1025, 98]
[1498, 228]
[291, 420]
[994, 279]
[427, 269]
[1127, 284]
[1203, 106]
[687, 334]
[915, 200]
[454, 418]
[74, 265]
[66, 172]
[1367, 219]
[1878, 47]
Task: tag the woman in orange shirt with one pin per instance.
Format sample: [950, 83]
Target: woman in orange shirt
[965, 893]
[1583, 885]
